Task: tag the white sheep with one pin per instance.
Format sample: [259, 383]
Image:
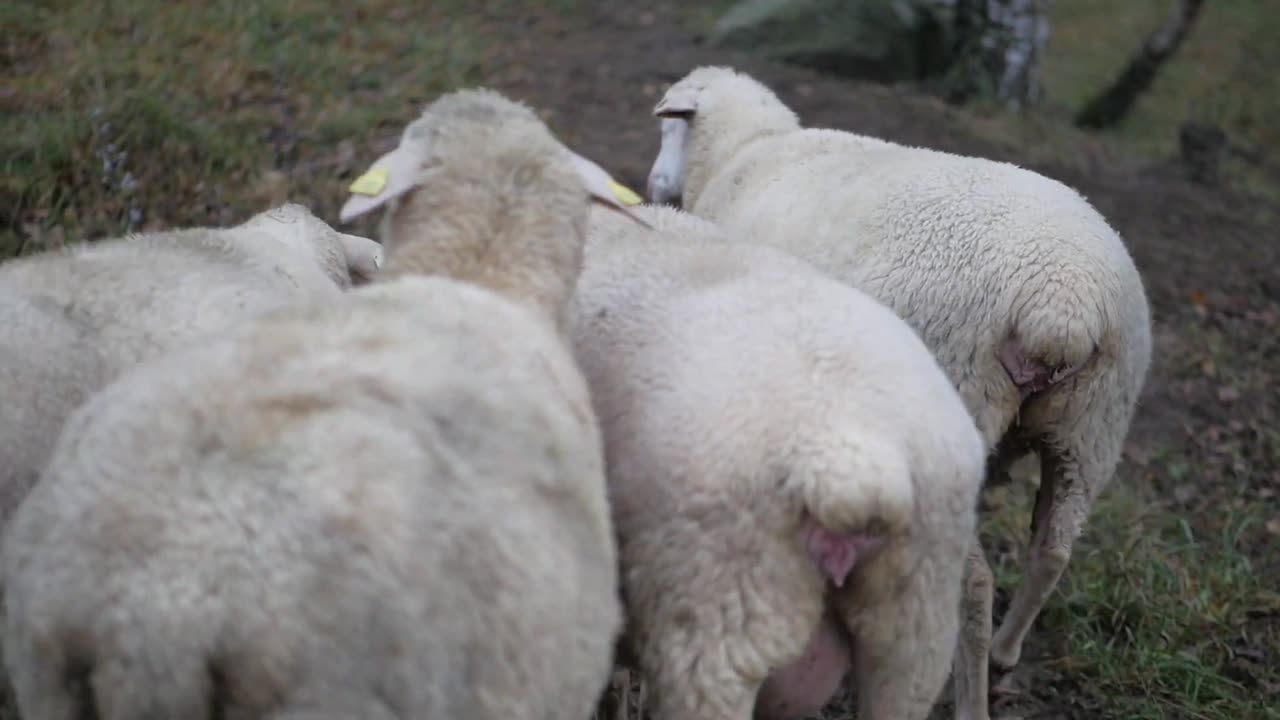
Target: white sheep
[72, 320]
[392, 506]
[1025, 294]
[792, 477]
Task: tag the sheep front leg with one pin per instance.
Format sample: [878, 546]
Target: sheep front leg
[970, 683]
[1062, 505]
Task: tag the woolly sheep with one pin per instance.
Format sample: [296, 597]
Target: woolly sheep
[72, 320]
[392, 506]
[1028, 298]
[775, 487]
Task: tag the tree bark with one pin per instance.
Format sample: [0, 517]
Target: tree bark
[1110, 106]
[999, 50]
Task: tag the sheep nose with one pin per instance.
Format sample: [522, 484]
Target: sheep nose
[651, 189]
[659, 191]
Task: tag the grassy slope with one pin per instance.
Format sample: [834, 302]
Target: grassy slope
[137, 114]
[1222, 75]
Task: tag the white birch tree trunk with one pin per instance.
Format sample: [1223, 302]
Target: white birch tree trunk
[999, 50]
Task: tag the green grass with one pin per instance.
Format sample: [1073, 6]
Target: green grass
[198, 107]
[1155, 619]
[1223, 73]
[1220, 75]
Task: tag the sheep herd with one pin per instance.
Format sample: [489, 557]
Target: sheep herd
[541, 430]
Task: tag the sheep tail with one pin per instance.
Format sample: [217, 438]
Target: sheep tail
[853, 494]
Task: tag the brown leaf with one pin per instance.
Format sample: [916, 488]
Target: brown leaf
[1273, 526]
[1228, 393]
[1209, 368]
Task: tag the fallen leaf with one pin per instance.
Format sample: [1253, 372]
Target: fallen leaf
[1273, 526]
[1209, 368]
[1227, 393]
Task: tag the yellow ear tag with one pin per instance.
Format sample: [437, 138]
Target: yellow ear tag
[371, 183]
[624, 194]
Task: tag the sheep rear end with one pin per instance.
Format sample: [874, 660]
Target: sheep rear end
[802, 687]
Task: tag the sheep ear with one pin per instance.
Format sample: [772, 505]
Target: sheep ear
[605, 189]
[680, 101]
[364, 256]
[389, 177]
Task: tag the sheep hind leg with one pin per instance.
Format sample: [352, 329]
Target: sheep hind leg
[704, 693]
[43, 690]
[970, 681]
[1062, 504]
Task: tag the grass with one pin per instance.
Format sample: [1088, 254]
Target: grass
[1221, 74]
[136, 114]
[1155, 620]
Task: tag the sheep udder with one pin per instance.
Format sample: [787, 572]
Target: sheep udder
[803, 686]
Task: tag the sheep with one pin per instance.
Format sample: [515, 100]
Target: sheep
[72, 320]
[1028, 298]
[776, 487]
[392, 506]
